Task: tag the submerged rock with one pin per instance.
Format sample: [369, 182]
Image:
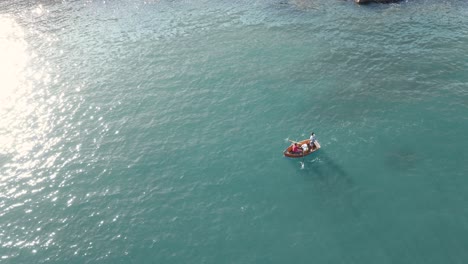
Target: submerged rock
[375, 1]
[402, 159]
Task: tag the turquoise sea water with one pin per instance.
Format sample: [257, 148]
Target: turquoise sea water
[152, 131]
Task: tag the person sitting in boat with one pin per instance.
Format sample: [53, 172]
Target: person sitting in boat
[295, 148]
[305, 147]
[312, 140]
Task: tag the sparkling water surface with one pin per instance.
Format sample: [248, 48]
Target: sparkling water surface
[152, 131]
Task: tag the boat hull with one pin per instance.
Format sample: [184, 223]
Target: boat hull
[288, 151]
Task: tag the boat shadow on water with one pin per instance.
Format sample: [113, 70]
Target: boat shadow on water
[325, 169]
[333, 184]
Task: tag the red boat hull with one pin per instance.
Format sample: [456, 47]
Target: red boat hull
[288, 152]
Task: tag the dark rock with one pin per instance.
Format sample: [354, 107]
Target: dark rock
[375, 1]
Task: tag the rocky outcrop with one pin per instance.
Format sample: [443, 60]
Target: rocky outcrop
[375, 1]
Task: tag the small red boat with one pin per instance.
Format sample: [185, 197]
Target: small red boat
[288, 152]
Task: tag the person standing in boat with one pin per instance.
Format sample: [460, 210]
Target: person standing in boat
[312, 140]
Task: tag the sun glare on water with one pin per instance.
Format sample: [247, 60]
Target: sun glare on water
[13, 58]
[29, 156]
[13, 62]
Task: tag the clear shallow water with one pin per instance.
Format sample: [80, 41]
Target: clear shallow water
[153, 132]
